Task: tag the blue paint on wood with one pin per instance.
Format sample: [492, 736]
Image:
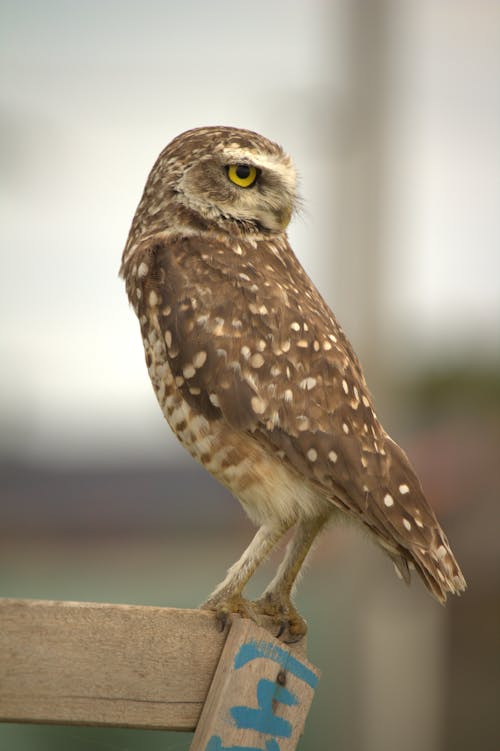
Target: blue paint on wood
[263, 720]
[253, 650]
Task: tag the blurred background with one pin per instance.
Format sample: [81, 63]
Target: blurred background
[391, 111]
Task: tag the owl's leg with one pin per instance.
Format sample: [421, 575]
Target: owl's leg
[276, 599]
[227, 597]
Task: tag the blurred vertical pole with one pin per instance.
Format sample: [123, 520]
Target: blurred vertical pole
[389, 641]
[358, 133]
[399, 648]
[402, 663]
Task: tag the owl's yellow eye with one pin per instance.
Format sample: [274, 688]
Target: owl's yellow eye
[243, 175]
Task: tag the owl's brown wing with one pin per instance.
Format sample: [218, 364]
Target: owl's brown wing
[258, 347]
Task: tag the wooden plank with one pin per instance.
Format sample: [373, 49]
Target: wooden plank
[96, 664]
[87, 663]
[260, 695]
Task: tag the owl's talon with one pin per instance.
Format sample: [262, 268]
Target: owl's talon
[295, 631]
[281, 629]
[225, 607]
[222, 618]
[291, 626]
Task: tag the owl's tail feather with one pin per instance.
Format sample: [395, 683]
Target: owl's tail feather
[409, 530]
[437, 568]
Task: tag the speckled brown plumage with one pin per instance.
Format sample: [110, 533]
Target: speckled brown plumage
[254, 374]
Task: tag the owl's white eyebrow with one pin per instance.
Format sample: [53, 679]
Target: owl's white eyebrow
[281, 165]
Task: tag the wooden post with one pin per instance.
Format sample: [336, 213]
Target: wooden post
[147, 667]
[260, 695]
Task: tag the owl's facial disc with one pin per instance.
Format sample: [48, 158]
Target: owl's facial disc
[241, 184]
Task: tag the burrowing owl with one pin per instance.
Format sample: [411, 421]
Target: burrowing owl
[256, 377]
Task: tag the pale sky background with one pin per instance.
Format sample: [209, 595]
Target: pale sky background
[90, 92]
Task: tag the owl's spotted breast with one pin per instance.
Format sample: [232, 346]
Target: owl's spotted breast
[177, 331]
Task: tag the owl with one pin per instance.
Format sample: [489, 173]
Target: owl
[256, 377]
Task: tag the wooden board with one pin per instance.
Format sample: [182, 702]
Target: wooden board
[260, 696]
[96, 664]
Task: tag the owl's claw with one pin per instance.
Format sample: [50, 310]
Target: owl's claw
[287, 624]
[281, 629]
[291, 626]
[225, 607]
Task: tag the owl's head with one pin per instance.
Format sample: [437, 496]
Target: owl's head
[221, 176]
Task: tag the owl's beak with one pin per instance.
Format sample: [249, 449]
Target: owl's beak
[283, 217]
[275, 219]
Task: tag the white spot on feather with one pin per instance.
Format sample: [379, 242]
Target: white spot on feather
[303, 423]
[258, 405]
[256, 360]
[308, 383]
[388, 500]
[441, 552]
[188, 371]
[200, 359]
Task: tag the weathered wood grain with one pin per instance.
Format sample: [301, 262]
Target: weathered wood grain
[97, 664]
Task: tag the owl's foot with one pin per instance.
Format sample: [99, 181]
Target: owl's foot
[224, 607]
[290, 626]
